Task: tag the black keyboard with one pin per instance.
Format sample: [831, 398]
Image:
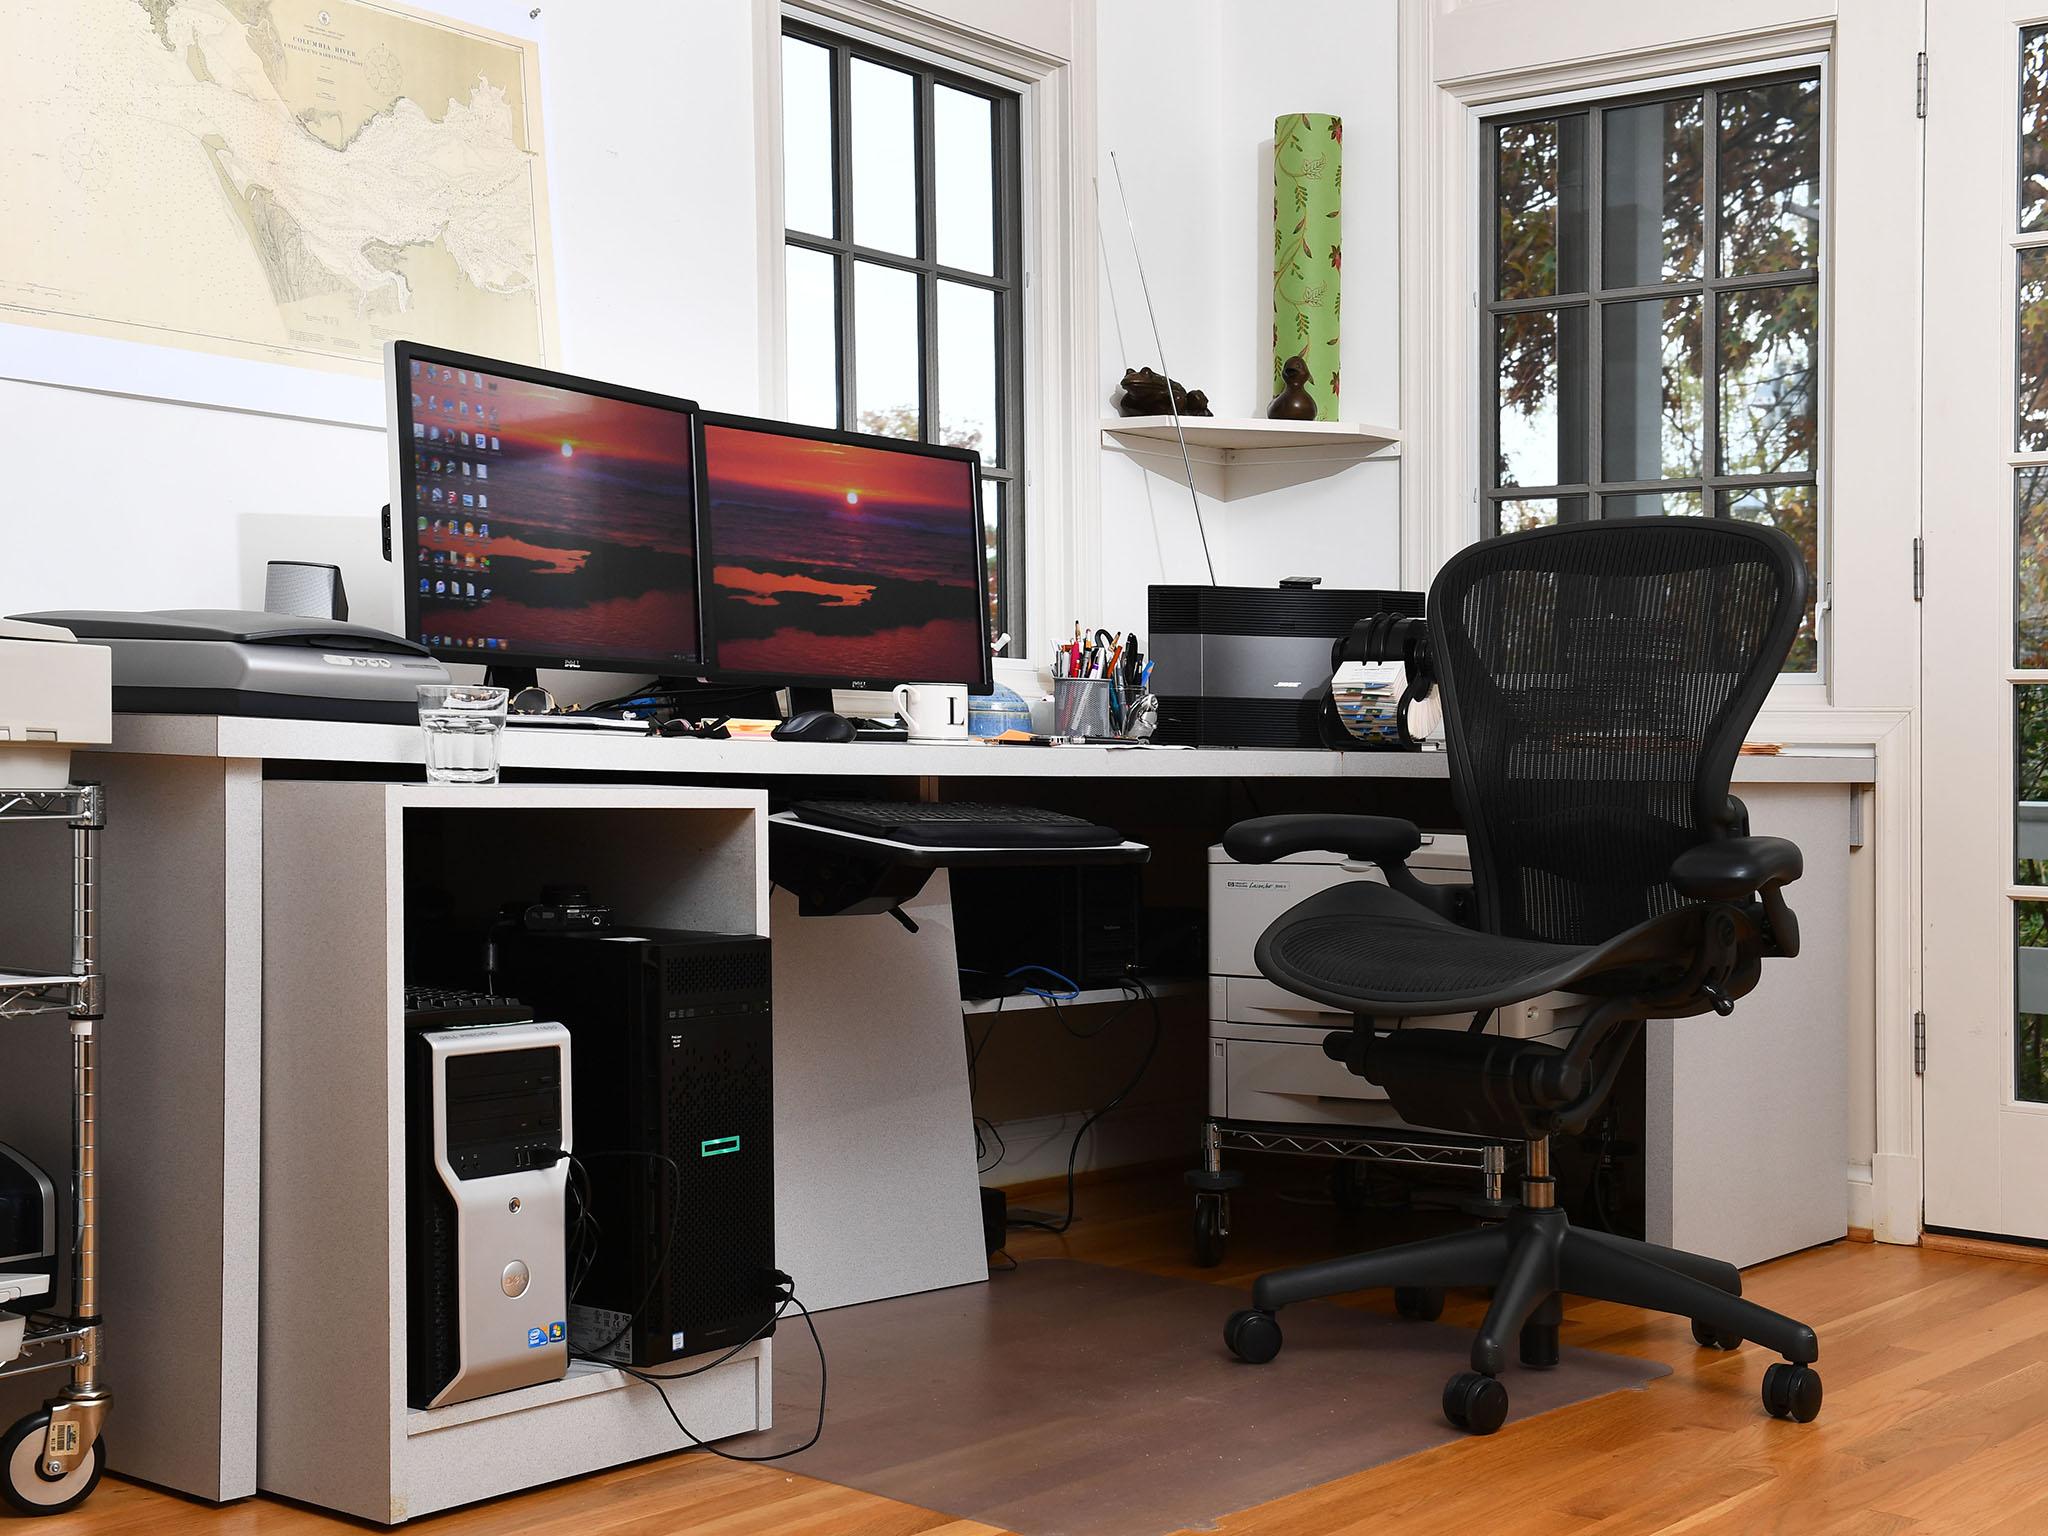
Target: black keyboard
[442, 1007]
[957, 824]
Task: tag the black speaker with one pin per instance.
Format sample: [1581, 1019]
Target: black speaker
[304, 589]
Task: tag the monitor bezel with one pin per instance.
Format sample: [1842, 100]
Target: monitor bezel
[984, 684]
[399, 356]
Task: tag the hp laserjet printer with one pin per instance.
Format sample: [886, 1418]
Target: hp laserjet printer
[228, 661]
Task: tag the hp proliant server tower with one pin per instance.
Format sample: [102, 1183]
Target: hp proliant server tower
[675, 1126]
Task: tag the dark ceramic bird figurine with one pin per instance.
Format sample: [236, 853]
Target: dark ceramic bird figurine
[1294, 403]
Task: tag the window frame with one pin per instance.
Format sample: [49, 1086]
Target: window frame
[1007, 282]
[1707, 288]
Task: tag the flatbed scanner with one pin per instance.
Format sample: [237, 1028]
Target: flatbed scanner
[230, 661]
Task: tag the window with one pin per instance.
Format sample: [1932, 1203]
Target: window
[1652, 317]
[902, 267]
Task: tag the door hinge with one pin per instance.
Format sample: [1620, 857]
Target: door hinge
[1920, 86]
[1919, 568]
[1919, 1044]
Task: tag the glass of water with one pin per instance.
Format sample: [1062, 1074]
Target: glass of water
[462, 723]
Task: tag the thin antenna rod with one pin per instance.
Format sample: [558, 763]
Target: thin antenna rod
[1187, 466]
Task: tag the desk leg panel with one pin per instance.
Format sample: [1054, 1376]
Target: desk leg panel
[875, 1188]
[181, 941]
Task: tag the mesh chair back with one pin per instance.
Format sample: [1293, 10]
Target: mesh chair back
[1598, 680]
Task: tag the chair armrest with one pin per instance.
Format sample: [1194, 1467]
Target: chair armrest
[1732, 868]
[1368, 839]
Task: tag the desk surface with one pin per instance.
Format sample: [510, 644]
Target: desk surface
[398, 746]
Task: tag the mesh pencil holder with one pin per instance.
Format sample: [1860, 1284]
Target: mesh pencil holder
[1084, 708]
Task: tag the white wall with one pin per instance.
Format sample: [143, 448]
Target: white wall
[1188, 94]
[115, 502]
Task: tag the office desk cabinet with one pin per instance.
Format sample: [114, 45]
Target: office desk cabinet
[219, 818]
[334, 1426]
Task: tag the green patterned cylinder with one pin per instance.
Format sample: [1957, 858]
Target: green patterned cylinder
[1308, 250]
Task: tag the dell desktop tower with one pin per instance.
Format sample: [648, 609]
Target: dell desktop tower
[487, 1127]
[675, 1129]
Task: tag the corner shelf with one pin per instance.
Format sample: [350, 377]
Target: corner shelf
[1233, 434]
[1248, 455]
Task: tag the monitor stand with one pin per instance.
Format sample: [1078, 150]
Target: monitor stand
[802, 700]
[511, 679]
[689, 699]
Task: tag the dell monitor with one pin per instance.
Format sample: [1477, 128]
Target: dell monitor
[837, 560]
[539, 520]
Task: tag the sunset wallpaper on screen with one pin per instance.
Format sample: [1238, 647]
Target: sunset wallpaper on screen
[837, 560]
[563, 524]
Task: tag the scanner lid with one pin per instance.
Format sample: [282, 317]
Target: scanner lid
[237, 625]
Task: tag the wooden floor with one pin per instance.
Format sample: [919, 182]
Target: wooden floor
[1936, 1420]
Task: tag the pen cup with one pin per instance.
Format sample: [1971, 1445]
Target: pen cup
[1081, 708]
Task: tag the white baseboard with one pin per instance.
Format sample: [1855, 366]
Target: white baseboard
[1862, 1197]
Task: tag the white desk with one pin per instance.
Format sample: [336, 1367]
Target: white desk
[565, 751]
[186, 872]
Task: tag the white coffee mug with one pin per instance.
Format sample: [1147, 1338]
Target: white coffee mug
[932, 711]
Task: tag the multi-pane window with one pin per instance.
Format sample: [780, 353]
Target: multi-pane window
[901, 197]
[1652, 317]
[2029, 677]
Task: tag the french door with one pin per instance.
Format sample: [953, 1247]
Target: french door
[1984, 709]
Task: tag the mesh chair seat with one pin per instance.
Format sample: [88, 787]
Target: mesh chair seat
[1371, 950]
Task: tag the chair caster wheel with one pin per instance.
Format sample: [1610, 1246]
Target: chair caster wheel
[1539, 1346]
[29, 1487]
[1707, 1336]
[1210, 1231]
[1253, 1336]
[1474, 1403]
[1423, 1303]
[1792, 1392]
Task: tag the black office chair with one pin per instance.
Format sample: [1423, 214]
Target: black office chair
[1597, 681]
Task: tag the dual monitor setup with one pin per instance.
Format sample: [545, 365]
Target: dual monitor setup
[540, 520]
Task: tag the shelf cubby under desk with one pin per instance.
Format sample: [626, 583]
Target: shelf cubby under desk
[334, 1426]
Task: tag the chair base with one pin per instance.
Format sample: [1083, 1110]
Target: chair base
[1531, 1260]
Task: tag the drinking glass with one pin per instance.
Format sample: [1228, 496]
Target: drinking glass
[462, 724]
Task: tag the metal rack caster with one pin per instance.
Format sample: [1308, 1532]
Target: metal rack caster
[53, 1457]
[1212, 1184]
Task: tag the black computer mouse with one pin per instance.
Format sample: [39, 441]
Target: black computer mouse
[814, 725]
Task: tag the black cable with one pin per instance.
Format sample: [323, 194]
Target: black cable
[974, 1052]
[1074, 1151]
[668, 1248]
[818, 1429]
[1089, 1034]
[981, 1148]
